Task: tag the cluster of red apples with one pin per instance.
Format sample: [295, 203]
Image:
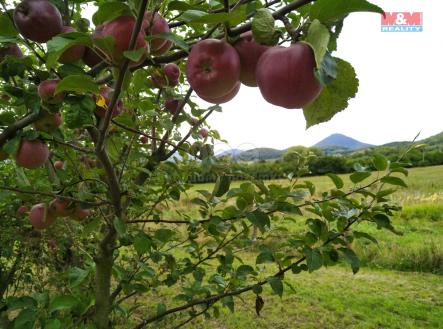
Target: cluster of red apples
[285, 75]
[42, 215]
[215, 70]
[40, 20]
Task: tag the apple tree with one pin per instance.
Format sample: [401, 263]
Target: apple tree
[100, 227]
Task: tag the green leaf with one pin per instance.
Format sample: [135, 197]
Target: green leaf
[244, 270]
[25, 319]
[12, 145]
[263, 27]
[327, 72]
[175, 39]
[392, 180]
[79, 114]
[314, 259]
[142, 243]
[221, 185]
[334, 97]
[7, 28]
[179, 5]
[327, 11]
[76, 276]
[383, 221]
[120, 226]
[276, 285]
[134, 55]
[259, 219]
[229, 303]
[351, 258]
[161, 308]
[338, 182]
[359, 176]
[265, 256]
[61, 303]
[105, 44]
[58, 44]
[164, 235]
[110, 10]
[318, 38]
[364, 235]
[191, 15]
[53, 324]
[78, 83]
[380, 162]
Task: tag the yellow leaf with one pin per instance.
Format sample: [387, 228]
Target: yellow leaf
[101, 101]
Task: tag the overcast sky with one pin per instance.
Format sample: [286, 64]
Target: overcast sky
[400, 93]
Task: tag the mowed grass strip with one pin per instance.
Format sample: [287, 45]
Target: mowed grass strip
[335, 298]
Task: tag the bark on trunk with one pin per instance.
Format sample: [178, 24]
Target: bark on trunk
[104, 262]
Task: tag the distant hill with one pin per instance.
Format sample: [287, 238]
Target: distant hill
[340, 142]
[335, 144]
[233, 152]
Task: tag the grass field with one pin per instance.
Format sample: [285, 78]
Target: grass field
[399, 286]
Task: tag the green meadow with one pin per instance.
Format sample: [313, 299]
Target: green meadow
[400, 283]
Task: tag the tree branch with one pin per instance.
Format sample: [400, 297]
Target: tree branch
[53, 195]
[174, 118]
[104, 124]
[20, 124]
[214, 298]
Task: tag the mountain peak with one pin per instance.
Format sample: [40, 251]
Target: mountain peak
[342, 141]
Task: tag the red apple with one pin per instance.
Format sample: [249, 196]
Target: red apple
[167, 76]
[10, 50]
[286, 77]
[48, 122]
[172, 105]
[172, 73]
[38, 20]
[203, 132]
[163, 49]
[59, 208]
[31, 154]
[106, 93]
[91, 58]
[213, 68]
[22, 210]
[58, 164]
[224, 99]
[249, 52]
[120, 29]
[156, 24]
[46, 89]
[81, 213]
[72, 54]
[144, 139]
[40, 217]
[52, 244]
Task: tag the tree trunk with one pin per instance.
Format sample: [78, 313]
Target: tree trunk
[104, 262]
